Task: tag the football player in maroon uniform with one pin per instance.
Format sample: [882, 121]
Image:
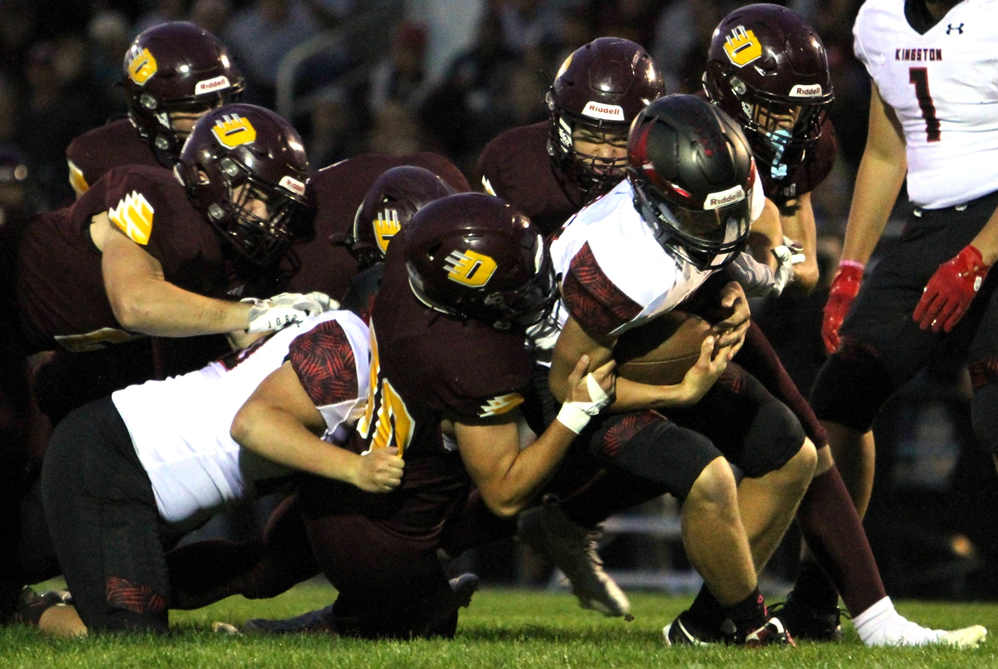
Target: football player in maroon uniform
[768, 69]
[144, 253]
[551, 169]
[449, 374]
[172, 74]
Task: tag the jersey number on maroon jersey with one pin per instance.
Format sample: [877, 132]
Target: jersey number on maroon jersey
[386, 422]
[919, 78]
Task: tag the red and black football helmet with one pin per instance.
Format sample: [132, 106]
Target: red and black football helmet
[602, 86]
[175, 67]
[238, 155]
[474, 256]
[392, 201]
[768, 69]
[693, 177]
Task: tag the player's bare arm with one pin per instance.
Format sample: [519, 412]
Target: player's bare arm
[144, 301]
[801, 228]
[986, 240]
[878, 182]
[507, 476]
[767, 233]
[574, 341]
[280, 422]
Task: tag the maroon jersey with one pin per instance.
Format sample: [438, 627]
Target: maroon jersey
[59, 283]
[426, 366]
[96, 151]
[516, 167]
[818, 163]
[337, 192]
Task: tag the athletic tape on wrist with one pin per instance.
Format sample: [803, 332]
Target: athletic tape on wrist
[575, 415]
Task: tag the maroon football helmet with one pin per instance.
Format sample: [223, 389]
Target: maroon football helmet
[171, 68]
[241, 155]
[768, 69]
[601, 86]
[693, 176]
[473, 255]
[392, 201]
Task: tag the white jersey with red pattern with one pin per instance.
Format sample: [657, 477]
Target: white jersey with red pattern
[180, 426]
[943, 85]
[614, 274]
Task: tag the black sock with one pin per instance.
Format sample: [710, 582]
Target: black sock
[705, 611]
[749, 614]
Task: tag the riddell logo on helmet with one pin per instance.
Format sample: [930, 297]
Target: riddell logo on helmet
[141, 66]
[724, 198]
[607, 112]
[293, 185]
[221, 82]
[800, 91]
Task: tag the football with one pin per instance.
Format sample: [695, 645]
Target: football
[661, 352]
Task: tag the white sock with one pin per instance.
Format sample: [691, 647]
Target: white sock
[882, 625]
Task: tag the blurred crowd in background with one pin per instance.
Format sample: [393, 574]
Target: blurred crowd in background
[401, 76]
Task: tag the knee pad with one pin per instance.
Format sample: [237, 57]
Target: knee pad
[852, 386]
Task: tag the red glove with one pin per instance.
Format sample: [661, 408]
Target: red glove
[950, 290]
[845, 288]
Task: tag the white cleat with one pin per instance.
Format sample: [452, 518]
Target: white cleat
[966, 638]
[572, 548]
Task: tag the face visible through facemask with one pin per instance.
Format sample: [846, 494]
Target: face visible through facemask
[777, 125]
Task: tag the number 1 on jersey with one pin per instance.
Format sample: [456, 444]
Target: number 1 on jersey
[919, 77]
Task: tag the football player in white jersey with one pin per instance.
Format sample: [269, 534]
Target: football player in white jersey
[767, 67]
[680, 217]
[933, 121]
[126, 474]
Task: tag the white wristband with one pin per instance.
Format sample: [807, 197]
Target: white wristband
[573, 417]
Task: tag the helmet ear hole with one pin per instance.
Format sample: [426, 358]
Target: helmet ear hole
[228, 167]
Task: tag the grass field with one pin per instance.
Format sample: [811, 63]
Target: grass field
[502, 628]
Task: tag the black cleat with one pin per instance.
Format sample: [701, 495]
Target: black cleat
[683, 631]
[442, 619]
[319, 621]
[805, 622]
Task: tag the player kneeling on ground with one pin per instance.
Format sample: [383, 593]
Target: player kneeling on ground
[127, 475]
